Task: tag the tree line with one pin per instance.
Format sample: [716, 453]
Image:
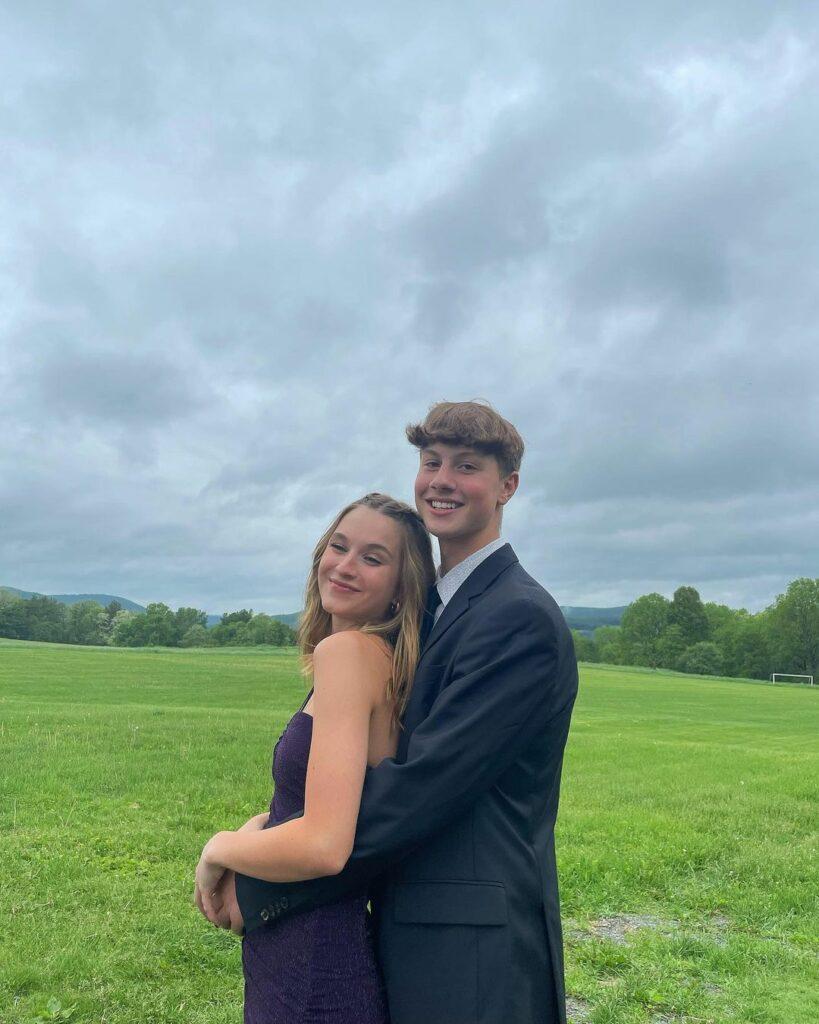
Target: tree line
[688, 635]
[683, 633]
[89, 623]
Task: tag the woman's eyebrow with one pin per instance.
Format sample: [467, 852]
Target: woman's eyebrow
[380, 547]
[368, 547]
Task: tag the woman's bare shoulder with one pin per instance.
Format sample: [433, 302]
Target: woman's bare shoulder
[353, 643]
[364, 655]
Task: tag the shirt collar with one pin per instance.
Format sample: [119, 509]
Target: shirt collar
[451, 581]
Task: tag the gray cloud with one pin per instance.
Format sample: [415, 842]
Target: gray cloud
[114, 387]
[241, 250]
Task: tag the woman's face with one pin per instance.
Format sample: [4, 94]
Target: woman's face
[358, 572]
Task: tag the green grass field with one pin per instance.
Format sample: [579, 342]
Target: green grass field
[686, 841]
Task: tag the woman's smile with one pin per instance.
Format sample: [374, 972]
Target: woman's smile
[358, 570]
[344, 587]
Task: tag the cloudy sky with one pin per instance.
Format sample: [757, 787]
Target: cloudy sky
[242, 246]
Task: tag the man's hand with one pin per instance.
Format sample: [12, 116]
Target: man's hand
[220, 906]
[258, 821]
[209, 870]
[223, 909]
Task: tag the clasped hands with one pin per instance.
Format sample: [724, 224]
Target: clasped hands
[215, 888]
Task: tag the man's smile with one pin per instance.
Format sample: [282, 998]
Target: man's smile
[443, 505]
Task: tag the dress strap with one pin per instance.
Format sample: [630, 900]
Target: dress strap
[309, 695]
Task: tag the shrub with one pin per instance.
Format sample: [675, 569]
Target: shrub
[702, 659]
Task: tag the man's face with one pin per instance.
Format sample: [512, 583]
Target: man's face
[459, 491]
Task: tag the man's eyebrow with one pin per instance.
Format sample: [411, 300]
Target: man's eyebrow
[368, 547]
[473, 453]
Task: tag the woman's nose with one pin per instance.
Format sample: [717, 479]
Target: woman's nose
[347, 564]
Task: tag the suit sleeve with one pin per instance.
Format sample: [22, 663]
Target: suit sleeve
[512, 678]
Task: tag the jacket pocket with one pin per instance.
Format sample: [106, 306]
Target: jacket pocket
[450, 902]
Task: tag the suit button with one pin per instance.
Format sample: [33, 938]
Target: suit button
[264, 915]
[284, 903]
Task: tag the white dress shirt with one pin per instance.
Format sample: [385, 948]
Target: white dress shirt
[449, 583]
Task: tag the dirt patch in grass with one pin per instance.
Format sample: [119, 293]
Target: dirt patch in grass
[719, 924]
[618, 927]
[577, 1010]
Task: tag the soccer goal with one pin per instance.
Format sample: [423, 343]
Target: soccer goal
[790, 675]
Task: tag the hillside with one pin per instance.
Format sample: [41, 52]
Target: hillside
[586, 620]
[103, 599]
[289, 618]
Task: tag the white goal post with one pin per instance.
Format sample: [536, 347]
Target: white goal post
[790, 675]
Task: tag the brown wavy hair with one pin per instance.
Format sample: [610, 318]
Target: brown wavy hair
[473, 424]
[402, 631]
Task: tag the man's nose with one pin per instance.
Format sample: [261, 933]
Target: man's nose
[443, 479]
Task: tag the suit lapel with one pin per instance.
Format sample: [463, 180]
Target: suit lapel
[475, 583]
[426, 686]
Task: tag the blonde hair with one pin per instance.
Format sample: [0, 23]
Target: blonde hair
[402, 629]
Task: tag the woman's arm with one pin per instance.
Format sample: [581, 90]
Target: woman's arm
[350, 670]
[211, 878]
[256, 822]
[515, 683]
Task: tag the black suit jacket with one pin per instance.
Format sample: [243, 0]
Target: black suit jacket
[455, 835]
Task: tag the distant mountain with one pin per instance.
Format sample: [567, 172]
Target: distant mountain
[102, 599]
[291, 619]
[24, 595]
[587, 620]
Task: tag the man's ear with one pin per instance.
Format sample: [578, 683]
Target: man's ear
[509, 486]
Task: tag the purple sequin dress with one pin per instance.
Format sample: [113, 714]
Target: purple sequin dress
[318, 967]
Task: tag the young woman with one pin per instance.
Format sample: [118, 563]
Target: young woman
[360, 638]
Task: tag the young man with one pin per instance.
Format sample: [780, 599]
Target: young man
[455, 834]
